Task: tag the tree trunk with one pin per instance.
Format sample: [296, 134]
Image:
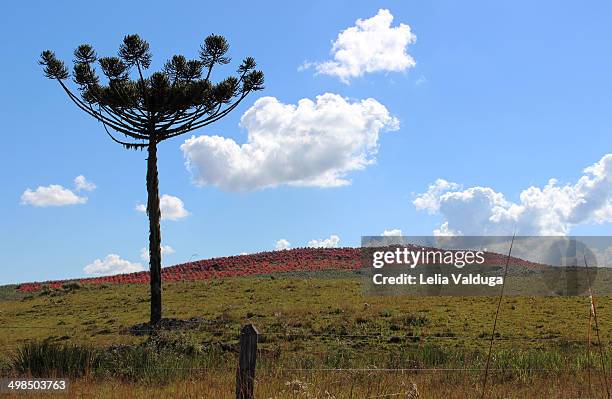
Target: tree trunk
[154, 213]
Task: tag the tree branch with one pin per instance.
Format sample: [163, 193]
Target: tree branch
[128, 145]
[143, 88]
[201, 112]
[191, 126]
[87, 108]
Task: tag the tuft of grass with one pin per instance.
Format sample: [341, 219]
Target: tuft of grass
[339, 357]
[161, 359]
[45, 359]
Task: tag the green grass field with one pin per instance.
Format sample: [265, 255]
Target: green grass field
[313, 322]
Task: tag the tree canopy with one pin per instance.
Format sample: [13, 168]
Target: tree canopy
[178, 99]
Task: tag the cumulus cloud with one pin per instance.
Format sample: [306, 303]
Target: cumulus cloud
[81, 183]
[172, 208]
[165, 250]
[372, 45]
[314, 143]
[392, 233]
[551, 210]
[282, 244]
[57, 195]
[331, 242]
[112, 264]
[52, 195]
[430, 200]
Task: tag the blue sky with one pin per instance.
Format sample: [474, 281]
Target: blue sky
[503, 97]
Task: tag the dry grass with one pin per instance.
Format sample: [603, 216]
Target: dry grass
[343, 385]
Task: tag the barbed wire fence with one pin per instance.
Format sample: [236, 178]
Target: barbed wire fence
[226, 335]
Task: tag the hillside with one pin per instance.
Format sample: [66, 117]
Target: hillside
[293, 260]
[308, 326]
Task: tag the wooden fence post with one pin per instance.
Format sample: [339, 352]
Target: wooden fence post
[245, 375]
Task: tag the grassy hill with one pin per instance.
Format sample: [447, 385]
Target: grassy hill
[315, 321]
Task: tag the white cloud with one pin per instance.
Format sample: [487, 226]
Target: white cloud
[392, 233]
[57, 195]
[551, 210]
[165, 250]
[331, 242]
[112, 264]
[314, 143]
[81, 183]
[52, 195]
[372, 45]
[282, 244]
[172, 208]
[430, 200]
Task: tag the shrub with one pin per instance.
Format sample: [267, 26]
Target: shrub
[72, 286]
[175, 342]
[164, 357]
[142, 364]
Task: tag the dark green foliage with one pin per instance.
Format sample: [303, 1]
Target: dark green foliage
[213, 51]
[179, 69]
[179, 98]
[84, 54]
[160, 359]
[135, 51]
[72, 286]
[113, 68]
[53, 68]
[46, 359]
[84, 75]
[175, 342]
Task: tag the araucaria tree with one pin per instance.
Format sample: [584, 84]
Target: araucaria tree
[148, 110]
